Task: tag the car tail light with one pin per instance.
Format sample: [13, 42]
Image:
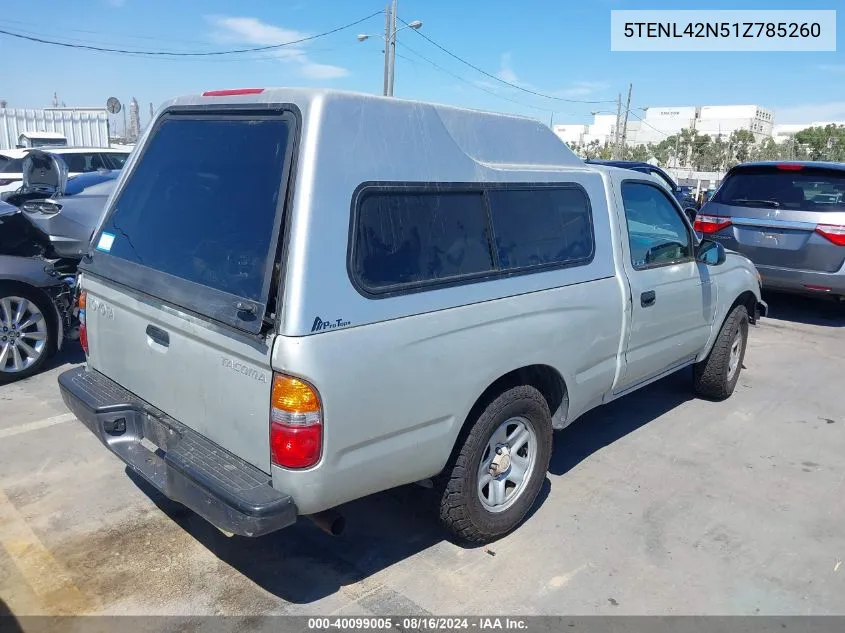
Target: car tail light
[789, 166]
[8, 181]
[833, 232]
[83, 330]
[43, 207]
[710, 223]
[296, 423]
[233, 93]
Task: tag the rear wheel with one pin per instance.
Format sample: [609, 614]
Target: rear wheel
[500, 467]
[27, 332]
[716, 376]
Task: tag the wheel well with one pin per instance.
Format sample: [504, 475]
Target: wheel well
[749, 300]
[543, 378]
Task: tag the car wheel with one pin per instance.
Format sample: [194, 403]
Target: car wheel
[27, 331]
[498, 470]
[716, 376]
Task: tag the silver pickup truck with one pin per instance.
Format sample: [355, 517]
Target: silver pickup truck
[334, 294]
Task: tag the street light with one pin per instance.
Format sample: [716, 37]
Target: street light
[389, 38]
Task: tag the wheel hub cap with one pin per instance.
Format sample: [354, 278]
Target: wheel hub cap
[501, 462]
[507, 464]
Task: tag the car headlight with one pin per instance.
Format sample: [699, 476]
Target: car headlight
[42, 207]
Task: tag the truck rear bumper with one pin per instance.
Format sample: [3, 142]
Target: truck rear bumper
[182, 464]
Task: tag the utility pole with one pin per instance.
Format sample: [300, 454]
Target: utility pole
[386, 49]
[625, 123]
[618, 122]
[392, 48]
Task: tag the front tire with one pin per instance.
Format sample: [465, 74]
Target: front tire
[28, 331]
[716, 376]
[500, 467]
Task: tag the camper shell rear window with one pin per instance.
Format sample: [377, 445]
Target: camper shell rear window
[198, 219]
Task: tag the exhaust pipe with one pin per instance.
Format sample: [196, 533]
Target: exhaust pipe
[330, 521]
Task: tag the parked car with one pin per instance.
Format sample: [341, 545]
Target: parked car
[36, 299]
[79, 160]
[69, 218]
[682, 195]
[288, 329]
[788, 218]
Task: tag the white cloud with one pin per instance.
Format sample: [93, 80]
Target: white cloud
[252, 31]
[506, 72]
[811, 112]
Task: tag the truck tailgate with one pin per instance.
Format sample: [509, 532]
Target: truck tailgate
[209, 379]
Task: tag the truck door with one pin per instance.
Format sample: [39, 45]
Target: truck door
[673, 297]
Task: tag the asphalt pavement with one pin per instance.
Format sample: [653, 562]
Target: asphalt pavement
[656, 504]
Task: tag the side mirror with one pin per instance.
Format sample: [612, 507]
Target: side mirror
[710, 253]
[691, 213]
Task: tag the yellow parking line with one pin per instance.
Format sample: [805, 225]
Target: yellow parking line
[42, 572]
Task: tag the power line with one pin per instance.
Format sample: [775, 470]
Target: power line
[123, 51]
[473, 84]
[499, 79]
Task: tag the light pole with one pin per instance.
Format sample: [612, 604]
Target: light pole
[389, 37]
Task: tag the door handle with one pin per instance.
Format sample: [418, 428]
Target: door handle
[158, 335]
[648, 298]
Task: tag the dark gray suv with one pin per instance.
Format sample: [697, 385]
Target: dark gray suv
[788, 218]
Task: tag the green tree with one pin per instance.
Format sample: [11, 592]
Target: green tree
[638, 152]
[768, 150]
[823, 143]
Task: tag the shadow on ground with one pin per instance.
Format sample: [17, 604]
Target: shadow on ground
[70, 354]
[604, 425]
[807, 310]
[301, 564]
[8, 622]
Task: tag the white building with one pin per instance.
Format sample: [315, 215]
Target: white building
[664, 121]
[723, 120]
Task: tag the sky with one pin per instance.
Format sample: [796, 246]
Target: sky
[560, 48]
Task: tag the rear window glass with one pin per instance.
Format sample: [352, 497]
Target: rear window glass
[410, 238]
[806, 189]
[201, 202]
[115, 160]
[541, 226]
[11, 165]
[81, 163]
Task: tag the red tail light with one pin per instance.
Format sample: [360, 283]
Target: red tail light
[833, 232]
[790, 167]
[83, 330]
[233, 93]
[296, 423]
[708, 224]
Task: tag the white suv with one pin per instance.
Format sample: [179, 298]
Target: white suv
[79, 160]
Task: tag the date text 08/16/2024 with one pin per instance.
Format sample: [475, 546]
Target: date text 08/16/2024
[417, 623]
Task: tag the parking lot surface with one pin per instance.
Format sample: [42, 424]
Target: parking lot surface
[656, 504]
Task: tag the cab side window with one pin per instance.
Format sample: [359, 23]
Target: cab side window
[657, 233]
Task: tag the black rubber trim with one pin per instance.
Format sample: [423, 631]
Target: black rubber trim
[186, 467]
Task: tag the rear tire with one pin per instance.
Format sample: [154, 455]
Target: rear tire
[30, 346]
[716, 376]
[518, 420]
